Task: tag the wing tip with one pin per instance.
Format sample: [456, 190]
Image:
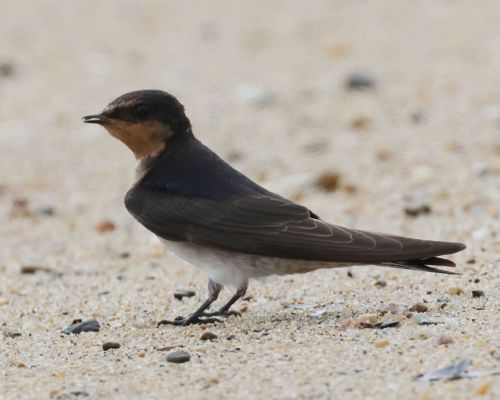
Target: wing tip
[444, 248]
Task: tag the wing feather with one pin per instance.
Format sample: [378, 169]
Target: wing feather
[272, 226]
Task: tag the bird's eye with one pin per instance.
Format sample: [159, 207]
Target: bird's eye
[141, 110]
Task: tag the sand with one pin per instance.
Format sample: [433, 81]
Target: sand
[264, 85]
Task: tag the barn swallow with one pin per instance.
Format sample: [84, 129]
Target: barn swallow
[219, 220]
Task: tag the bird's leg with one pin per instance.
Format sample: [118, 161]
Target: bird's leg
[213, 292]
[224, 310]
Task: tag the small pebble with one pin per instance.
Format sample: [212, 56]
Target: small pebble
[110, 345]
[105, 225]
[455, 291]
[361, 123]
[20, 208]
[180, 294]
[382, 343]
[47, 211]
[417, 117]
[419, 307]
[4, 302]
[7, 332]
[483, 389]
[477, 293]
[388, 324]
[414, 210]
[86, 326]
[366, 321]
[359, 81]
[381, 284]
[178, 357]
[6, 69]
[444, 339]
[82, 393]
[31, 269]
[327, 181]
[208, 336]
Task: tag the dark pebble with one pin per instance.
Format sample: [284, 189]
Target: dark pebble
[86, 326]
[180, 294]
[7, 69]
[178, 357]
[208, 336]
[31, 269]
[417, 209]
[381, 284]
[7, 332]
[477, 293]
[47, 211]
[389, 324]
[82, 393]
[417, 117]
[359, 81]
[419, 307]
[110, 345]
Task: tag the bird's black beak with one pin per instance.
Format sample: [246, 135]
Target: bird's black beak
[95, 119]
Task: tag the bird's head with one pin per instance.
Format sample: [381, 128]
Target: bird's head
[145, 120]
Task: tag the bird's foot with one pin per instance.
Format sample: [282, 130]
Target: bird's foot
[191, 320]
[222, 313]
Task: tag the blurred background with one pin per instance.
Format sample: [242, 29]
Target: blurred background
[377, 115]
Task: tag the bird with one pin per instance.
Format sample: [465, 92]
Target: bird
[219, 220]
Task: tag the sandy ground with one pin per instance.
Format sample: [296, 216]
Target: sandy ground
[263, 84]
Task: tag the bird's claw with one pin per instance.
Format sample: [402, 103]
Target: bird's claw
[222, 313]
[192, 319]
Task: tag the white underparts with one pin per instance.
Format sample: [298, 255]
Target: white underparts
[232, 269]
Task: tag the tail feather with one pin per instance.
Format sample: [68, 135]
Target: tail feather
[423, 265]
[438, 261]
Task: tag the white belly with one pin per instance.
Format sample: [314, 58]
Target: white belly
[232, 268]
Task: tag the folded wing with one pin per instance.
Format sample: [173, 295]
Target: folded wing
[269, 225]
